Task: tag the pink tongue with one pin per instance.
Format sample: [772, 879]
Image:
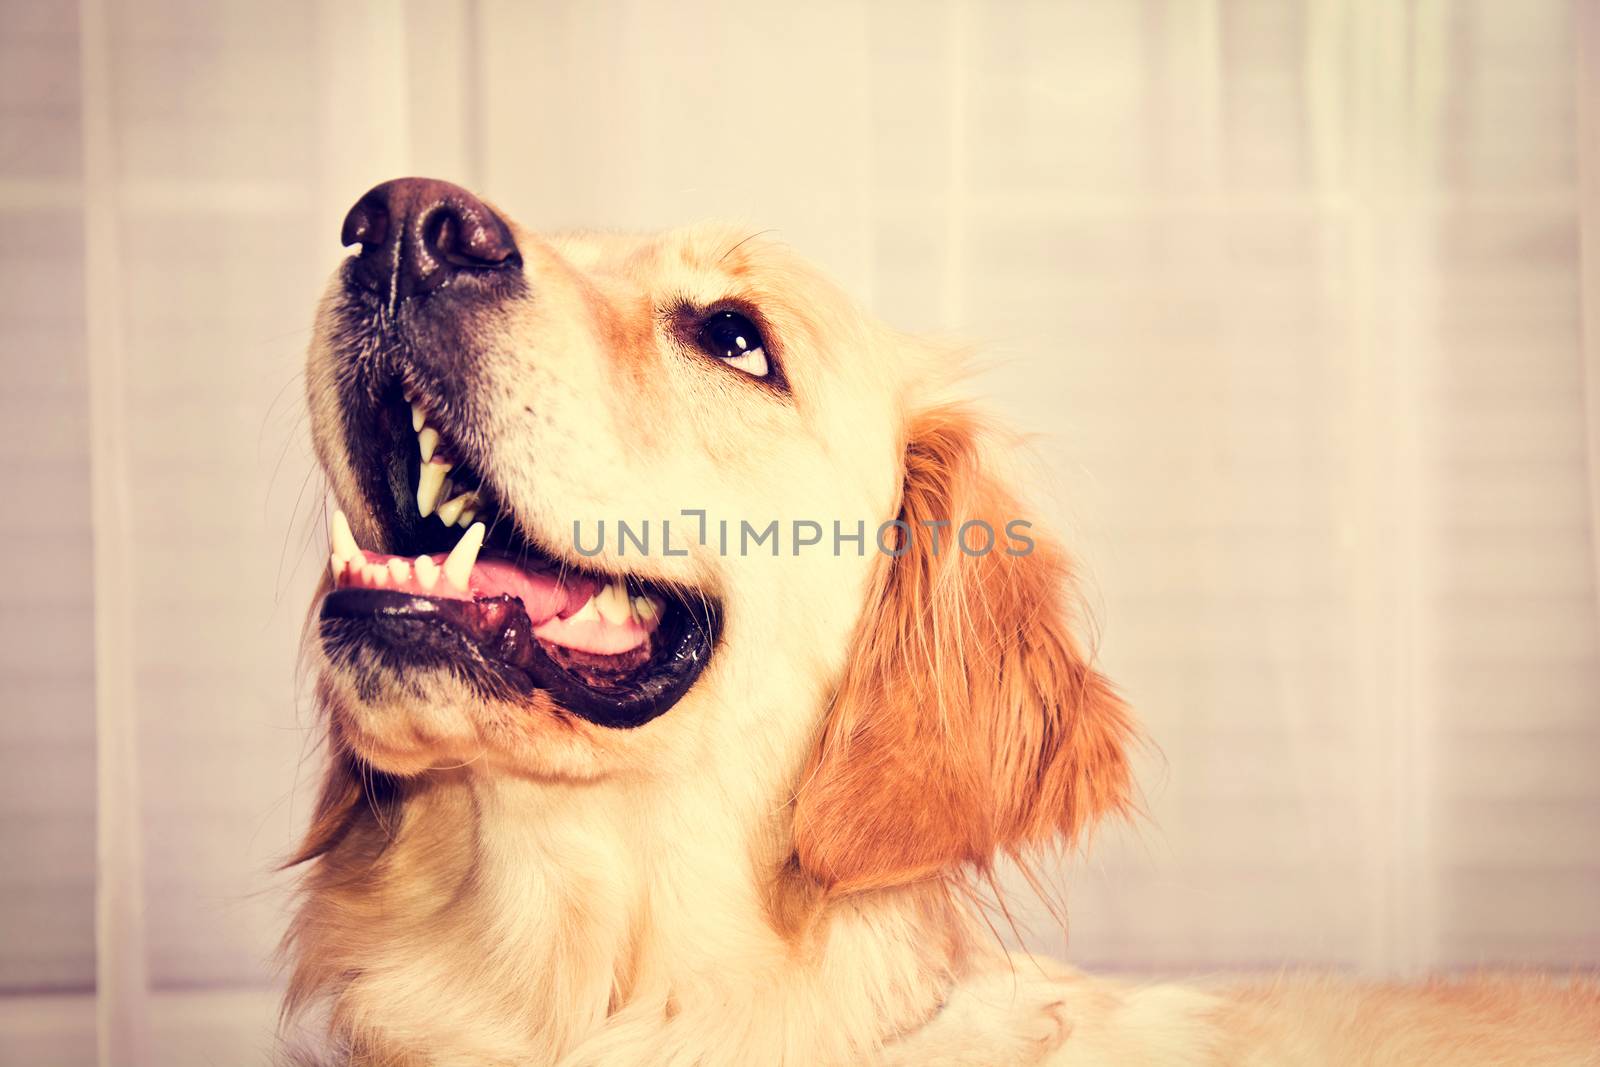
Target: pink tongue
[542, 596]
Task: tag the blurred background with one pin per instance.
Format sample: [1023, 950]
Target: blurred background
[1301, 295]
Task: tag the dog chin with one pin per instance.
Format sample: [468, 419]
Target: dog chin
[421, 720]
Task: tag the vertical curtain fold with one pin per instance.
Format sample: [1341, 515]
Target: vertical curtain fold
[1586, 56]
[121, 972]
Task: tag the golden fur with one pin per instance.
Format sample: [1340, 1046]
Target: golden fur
[776, 871]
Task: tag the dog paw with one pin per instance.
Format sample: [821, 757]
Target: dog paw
[1052, 1026]
[1001, 1020]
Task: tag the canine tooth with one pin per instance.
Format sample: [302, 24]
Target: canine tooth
[344, 542]
[450, 511]
[427, 440]
[427, 572]
[428, 485]
[399, 570]
[447, 489]
[612, 603]
[337, 563]
[588, 613]
[458, 565]
[418, 419]
[645, 608]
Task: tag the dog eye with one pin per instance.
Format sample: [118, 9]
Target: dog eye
[734, 339]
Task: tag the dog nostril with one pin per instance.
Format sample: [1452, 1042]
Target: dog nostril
[367, 224]
[464, 242]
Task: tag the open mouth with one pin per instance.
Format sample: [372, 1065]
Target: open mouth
[461, 588]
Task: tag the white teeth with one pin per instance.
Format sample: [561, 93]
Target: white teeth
[418, 419]
[467, 517]
[344, 542]
[375, 574]
[427, 572]
[427, 440]
[458, 565]
[587, 613]
[612, 603]
[428, 485]
[451, 510]
[447, 489]
[645, 608]
[399, 570]
[338, 565]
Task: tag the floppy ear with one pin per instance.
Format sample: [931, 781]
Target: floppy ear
[968, 722]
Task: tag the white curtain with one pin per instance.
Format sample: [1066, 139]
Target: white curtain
[1302, 295]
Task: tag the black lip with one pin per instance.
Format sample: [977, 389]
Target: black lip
[489, 642]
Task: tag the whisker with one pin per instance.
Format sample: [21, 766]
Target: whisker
[744, 242]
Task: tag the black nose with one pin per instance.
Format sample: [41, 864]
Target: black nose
[418, 233]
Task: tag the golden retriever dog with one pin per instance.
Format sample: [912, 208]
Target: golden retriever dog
[689, 661]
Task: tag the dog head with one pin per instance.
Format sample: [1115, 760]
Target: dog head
[618, 506]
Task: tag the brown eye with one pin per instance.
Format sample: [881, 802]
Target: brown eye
[734, 339]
